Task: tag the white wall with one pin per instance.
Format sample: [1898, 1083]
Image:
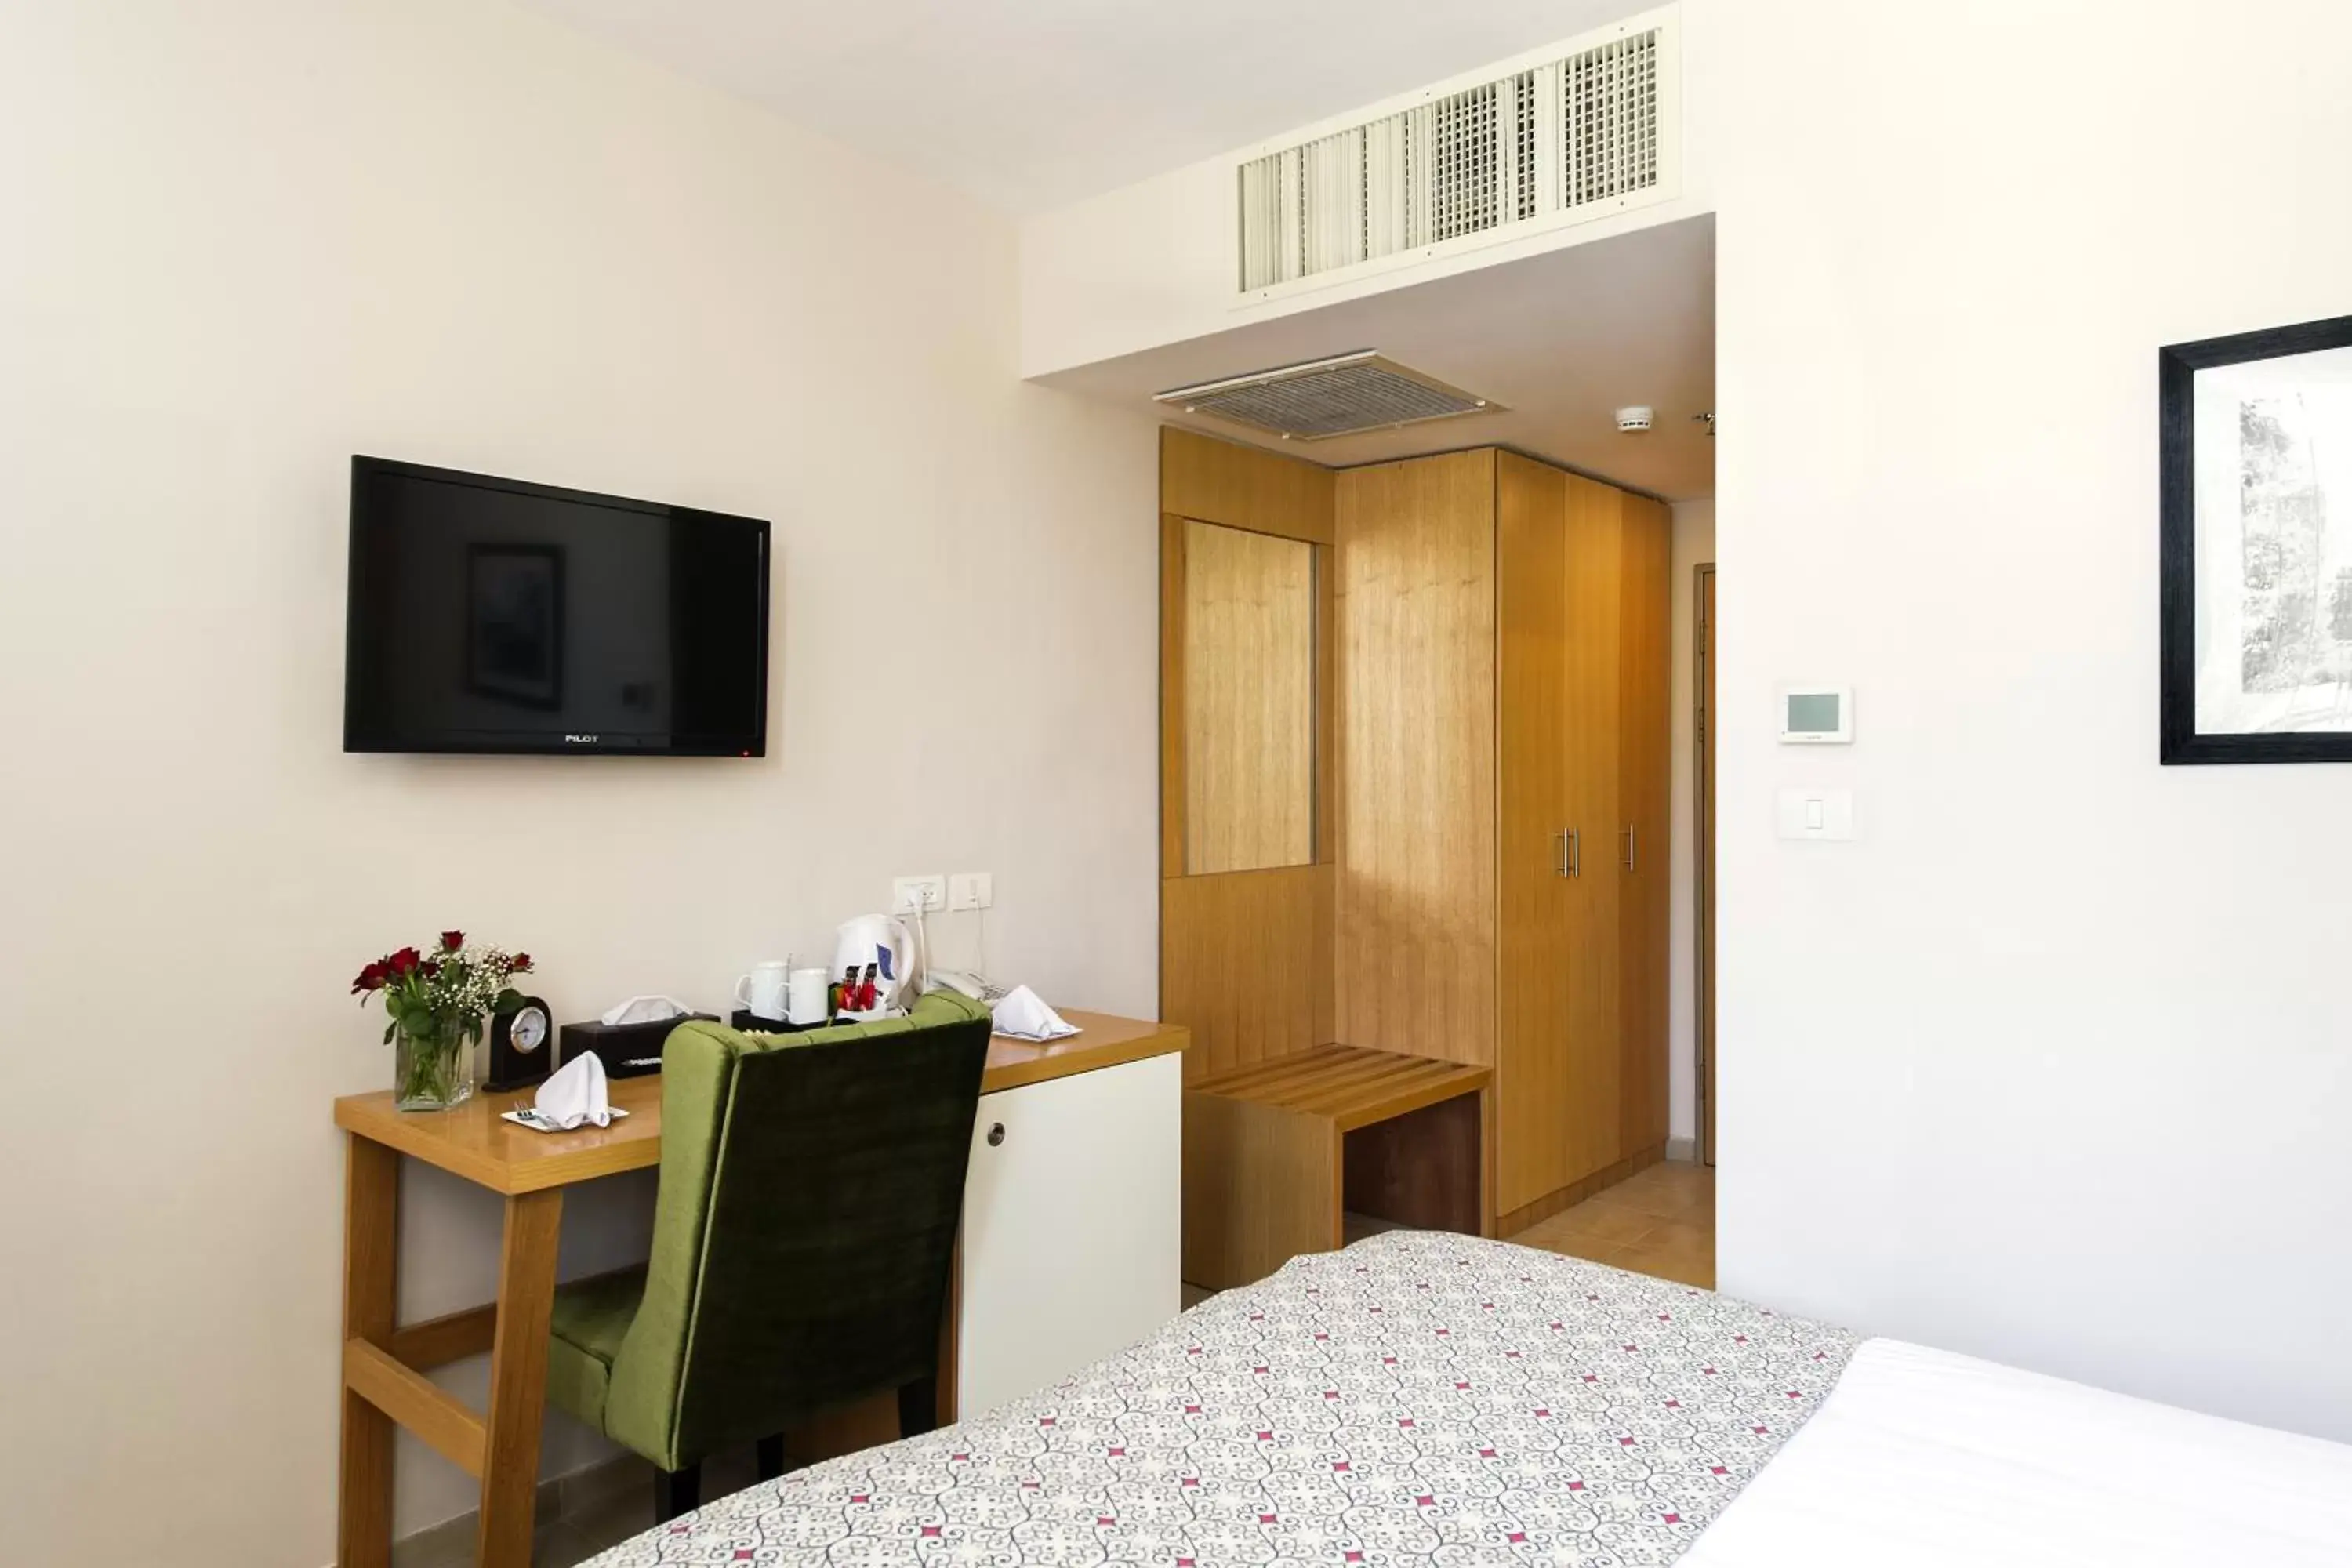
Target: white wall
[2055, 1062]
[248, 239]
[1154, 263]
[1694, 546]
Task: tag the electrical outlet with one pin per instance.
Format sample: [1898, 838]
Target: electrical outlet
[927, 893]
[971, 890]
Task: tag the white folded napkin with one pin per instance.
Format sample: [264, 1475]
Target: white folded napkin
[647, 1010]
[1023, 1014]
[573, 1095]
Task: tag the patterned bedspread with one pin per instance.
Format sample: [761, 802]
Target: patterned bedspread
[1415, 1399]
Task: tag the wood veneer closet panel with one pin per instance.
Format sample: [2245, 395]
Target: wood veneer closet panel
[1245, 964]
[1243, 487]
[1414, 945]
[1249, 701]
[1594, 655]
[1535, 989]
[1644, 772]
[1244, 956]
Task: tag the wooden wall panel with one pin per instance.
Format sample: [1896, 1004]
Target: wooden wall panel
[1425, 1169]
[1244, 956]
[1246, 963]
[1262, 1184]
[1249, 701]
[1534, 1001]
[1594, 656]
[1243, 487]
[1643, 781]
[1414, 949]
[1173, 727]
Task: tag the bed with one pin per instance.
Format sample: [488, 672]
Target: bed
[1431, 1399]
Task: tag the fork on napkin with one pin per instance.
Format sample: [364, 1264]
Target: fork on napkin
[575, 1096]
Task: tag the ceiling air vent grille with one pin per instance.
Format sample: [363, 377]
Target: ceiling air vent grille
[1578, 130]
[1340, 396]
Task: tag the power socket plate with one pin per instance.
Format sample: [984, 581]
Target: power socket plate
[927, 893]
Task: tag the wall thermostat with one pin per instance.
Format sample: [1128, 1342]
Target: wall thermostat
[1816, 715]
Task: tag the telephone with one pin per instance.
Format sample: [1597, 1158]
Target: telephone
[978, 987]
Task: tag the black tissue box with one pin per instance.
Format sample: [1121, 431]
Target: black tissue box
[628, 1050]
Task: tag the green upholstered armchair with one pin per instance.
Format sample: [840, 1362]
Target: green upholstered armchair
[811, 1187]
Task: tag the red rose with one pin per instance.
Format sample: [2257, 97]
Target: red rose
[519, 965]
[451, 940]
[370, 979]
[402, 963]
[428, 969]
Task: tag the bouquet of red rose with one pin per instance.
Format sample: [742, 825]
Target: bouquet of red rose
[437, 1004]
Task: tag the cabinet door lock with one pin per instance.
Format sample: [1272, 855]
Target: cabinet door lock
[995, 1133]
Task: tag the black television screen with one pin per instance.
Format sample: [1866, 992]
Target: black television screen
[489, 615]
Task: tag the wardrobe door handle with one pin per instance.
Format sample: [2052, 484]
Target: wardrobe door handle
[1560, 853]
[1575, 854]
[1629, 847]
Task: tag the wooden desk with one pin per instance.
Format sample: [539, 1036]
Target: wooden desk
[384, 1362]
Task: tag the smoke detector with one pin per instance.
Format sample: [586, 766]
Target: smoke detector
[1344, 396]
[1635, 420]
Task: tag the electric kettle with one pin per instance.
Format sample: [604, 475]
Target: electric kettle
[875, 962]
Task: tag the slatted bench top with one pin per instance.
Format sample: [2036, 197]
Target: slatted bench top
[1350, 1085]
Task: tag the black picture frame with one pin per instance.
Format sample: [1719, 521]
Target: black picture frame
[2181, 743]
[514, 624]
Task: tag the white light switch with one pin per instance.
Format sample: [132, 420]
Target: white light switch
[1816, 813]
[971, 890]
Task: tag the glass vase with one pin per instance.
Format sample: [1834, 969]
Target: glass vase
[432, 1070]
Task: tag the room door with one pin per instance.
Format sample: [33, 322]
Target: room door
[1704, 800]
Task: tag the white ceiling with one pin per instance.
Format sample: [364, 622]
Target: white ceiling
[1563, 339]
[1031, 104]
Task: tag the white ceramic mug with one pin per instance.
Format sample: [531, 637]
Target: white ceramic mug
[763, 991]
[806, 1003]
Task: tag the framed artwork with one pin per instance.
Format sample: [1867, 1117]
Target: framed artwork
[514, 623]
[2255, 435]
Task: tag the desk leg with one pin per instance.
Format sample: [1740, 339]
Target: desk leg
[519, 1380]
[371, 1301]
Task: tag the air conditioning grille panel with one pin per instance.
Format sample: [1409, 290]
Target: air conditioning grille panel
[1584, 129]
[1342, 396]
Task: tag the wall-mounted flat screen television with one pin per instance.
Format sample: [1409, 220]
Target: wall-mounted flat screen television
[489, 615]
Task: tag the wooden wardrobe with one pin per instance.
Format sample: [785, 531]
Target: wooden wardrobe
[1501, 841]
[1413, 789]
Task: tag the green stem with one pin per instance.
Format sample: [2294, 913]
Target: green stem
[431, 1060]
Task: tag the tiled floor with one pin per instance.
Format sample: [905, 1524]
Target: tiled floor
[617, 1518]
[1660, 1222]
[576, 1539]
[622, 1507]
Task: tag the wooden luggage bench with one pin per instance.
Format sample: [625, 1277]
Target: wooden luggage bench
[1275, 1154]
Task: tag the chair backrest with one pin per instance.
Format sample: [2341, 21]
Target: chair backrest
[811, 1189]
